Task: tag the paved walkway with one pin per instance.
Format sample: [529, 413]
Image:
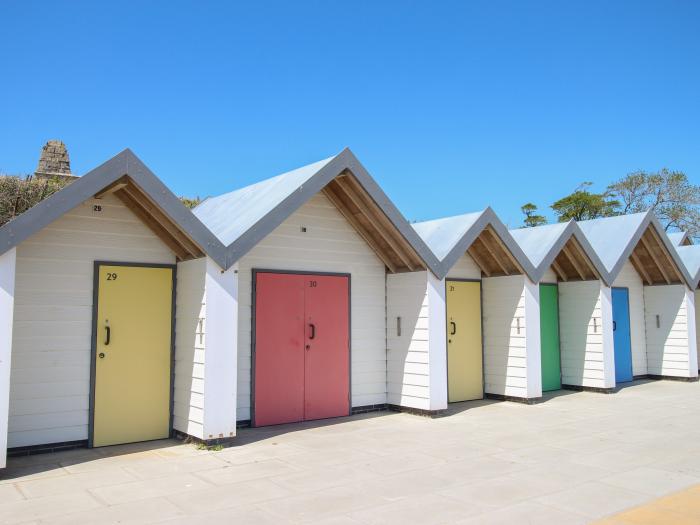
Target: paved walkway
[573, 459]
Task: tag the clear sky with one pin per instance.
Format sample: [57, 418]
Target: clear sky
[451, 106]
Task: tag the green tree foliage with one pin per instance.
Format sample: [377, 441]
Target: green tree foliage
[675, 201]
[582, 205]
[531, 217]
[18, 194]
[190, 203]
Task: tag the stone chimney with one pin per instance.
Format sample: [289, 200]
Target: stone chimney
[54, 161]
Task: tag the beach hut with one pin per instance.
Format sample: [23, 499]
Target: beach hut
[648, 303]
[312, 250]
[486, 307]
[89, 304]
[690, 255]
[568, 272]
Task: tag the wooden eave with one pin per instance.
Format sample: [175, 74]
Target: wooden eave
[572, 263]
[492, 256]
[653, 262]
[136, 200]
[371, 223]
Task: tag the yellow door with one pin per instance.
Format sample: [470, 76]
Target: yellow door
[465, 375]
[133, 348]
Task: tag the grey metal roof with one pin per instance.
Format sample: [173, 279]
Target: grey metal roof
[677, 238]
[614, 239]
[123, 164]
[690, 255]
[542, 245]
[242, 218]
[450, 237]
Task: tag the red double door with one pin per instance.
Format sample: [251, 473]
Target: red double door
[302, 347]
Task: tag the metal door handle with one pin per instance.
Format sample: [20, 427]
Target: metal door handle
[313, 331]
[454, 328]
[108, 335]
[614, 326]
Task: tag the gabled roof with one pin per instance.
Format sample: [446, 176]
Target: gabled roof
[543, 245]
[680, 238]
[242, 218]
[690, 255]
[617, 239]
[141, 191]
[451, 237]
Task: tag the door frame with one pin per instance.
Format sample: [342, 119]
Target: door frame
[483, 347]
[93, 339]
[253, 341]
[561, 375]
[629, 324]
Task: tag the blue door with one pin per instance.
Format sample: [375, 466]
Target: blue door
[621, 334]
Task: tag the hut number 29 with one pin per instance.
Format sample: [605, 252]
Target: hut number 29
[111, 276]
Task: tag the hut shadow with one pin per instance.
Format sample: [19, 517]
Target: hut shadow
[556, 394]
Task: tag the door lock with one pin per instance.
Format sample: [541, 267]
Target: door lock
[101, 355]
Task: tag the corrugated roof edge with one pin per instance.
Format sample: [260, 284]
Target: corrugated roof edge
[125, 163]
[650, 220]
[345, 160]
[572, 230]
[488, 217]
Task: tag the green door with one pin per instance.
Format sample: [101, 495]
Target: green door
[549, 332]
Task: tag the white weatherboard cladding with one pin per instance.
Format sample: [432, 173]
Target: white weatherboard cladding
[190, 327]
[464, 268]
[408, 354]
[549, 276]
[585, 324]
[417, 357]
[330, 244]
[7, 293]
[672, 343]
[696, 295]
[630, 279]
[505, 343]
[50, 382]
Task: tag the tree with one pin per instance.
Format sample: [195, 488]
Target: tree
[190, 203]
[18, 194]
[531, 217]
[674, 200]
[582, 205]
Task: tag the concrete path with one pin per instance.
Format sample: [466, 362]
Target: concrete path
[573, 459]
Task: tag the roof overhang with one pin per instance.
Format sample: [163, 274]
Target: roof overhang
[489, 243]
[349, 186]
[141, 191]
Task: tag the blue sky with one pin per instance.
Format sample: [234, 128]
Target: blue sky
[452, 106]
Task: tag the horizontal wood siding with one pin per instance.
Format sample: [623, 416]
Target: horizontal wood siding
[464, 268]
[549, 277]
[330, 244]
[667, 344]
[408, 356]
[630, 279]
[505, 358]
[50, 382]
[190, 342]
[581, 334]
[697, 323]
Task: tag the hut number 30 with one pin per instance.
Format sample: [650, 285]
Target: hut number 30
[313, 284]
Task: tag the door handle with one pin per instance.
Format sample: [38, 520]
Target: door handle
[454, 328]
[313, 331]
[108, 335]
[614, 326]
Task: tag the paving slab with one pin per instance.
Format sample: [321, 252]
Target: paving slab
[575, 458]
